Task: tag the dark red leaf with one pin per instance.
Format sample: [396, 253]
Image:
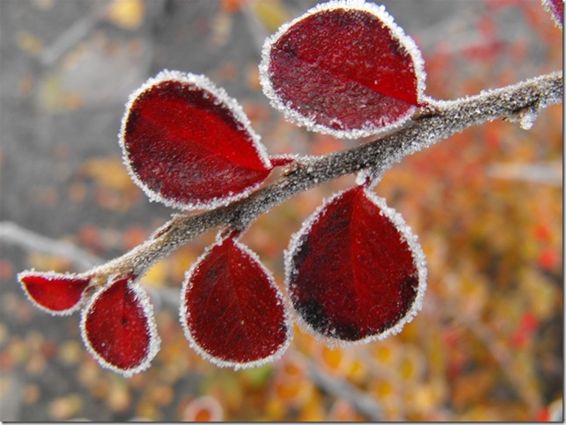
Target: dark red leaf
[232, 311]
[556, 8]
[118, 327]
[56, 293]
[355, 271]
[188, 145]
[343, 68]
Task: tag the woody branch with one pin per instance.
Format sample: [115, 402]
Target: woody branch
[430, 125]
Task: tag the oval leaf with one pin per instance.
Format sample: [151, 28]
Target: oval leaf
[354, 271]
[118, 327]
[232, 312]
[343, 68]
[188, 145]
[556, 9]
[55, 293]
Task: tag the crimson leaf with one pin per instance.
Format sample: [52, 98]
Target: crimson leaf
[56, 293]
[343, 68]
[188, 145]
[232, 311]
[118, 327]
[354, 271]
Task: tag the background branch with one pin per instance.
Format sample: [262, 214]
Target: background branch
[13, 234]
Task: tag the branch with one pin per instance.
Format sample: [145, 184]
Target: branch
[438, 121]
[13, 234]
[341, 389]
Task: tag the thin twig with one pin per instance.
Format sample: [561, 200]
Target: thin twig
[504, 360]
[549, 173]
[442, 120]
[72, 35]
[13, 234]
[341, 389]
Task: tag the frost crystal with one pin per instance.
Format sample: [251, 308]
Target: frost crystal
[528, 120]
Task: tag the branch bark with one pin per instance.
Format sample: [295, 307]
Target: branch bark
[431, 125]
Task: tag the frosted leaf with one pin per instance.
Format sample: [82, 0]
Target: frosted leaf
[355, 272]
[556, 10]
[187, 144]
[232, 312]
[118, 327]
[343, 68]
[59, 294]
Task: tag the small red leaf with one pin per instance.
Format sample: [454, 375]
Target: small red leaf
[556, 9]
[188, 145]
[56, 293]
[343, 68]
[232, 311]
[354, 271]
[118, 327]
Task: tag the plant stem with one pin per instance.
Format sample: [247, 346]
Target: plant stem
[440, 121]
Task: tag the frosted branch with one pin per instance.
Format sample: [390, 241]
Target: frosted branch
[438, 122]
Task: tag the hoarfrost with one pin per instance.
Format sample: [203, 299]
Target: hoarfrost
[528, 120]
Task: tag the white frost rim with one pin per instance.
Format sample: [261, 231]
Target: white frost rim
[304, 121]
[184, 313]
[154, 340]
[550, 8]
[419, 260]
[55, 275]
[201, 82]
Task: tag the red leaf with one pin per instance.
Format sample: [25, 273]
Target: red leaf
[556, 9]
[354, 271]
[56, 293]
[343, 68]
[188, 145]
[118, 327]
[232, 311]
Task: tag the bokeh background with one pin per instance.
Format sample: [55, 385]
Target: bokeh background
[487, 205]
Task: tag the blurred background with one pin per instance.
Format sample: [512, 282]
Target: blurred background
[487, 205]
